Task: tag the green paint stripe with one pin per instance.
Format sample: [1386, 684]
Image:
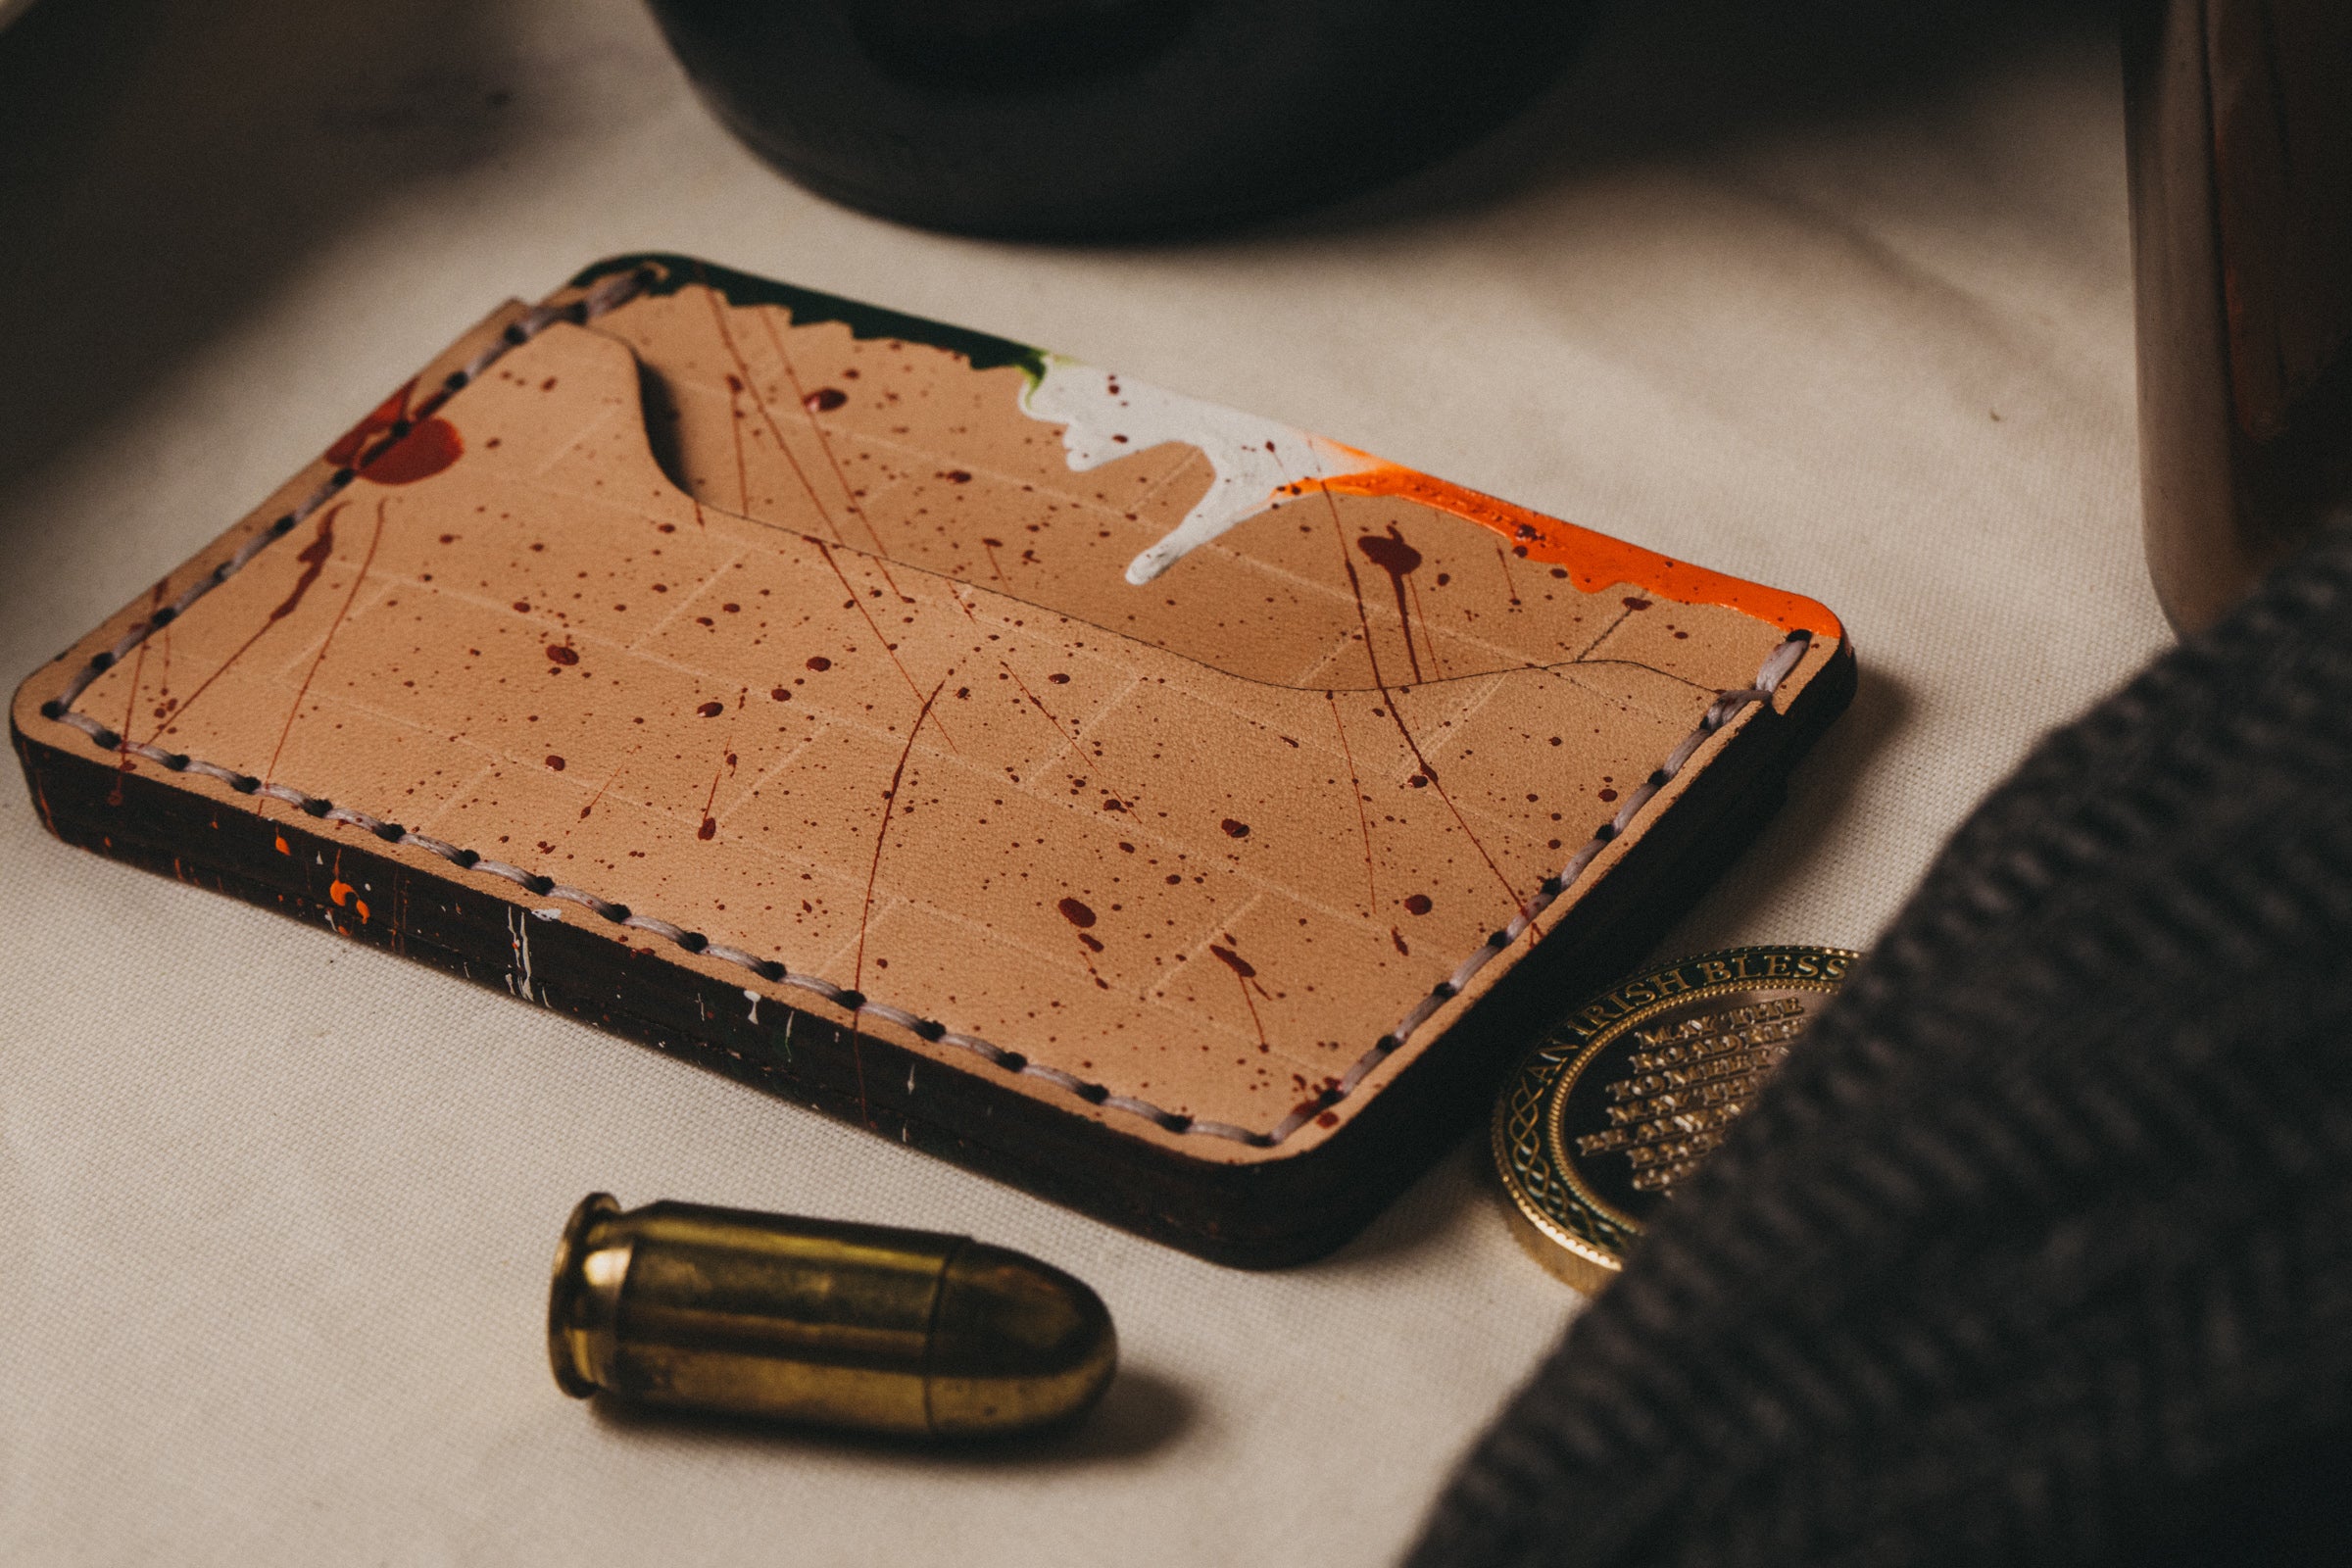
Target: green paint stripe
[673, 272]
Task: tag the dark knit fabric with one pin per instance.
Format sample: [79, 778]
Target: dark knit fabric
[2039, 1248]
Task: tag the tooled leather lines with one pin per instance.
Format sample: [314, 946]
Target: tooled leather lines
[1727, 704]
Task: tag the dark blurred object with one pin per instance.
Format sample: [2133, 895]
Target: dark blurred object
[2240, 116]
[2038, 1248]
[1110, 119]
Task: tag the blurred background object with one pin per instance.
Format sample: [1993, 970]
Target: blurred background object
[2240, 130]
[1103, 118]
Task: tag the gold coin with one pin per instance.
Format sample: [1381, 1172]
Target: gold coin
[1626, 1097]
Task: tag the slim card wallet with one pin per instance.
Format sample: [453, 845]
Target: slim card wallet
[1149, 805]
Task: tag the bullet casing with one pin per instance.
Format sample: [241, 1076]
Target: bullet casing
[860, 1326]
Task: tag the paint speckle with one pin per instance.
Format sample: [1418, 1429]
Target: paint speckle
[1077, 914]
[563, 655]
[1631, 603]
[712, 710]
[555, 763]
[1417, 903]
[1233, 829]
[819, 663]
[825, 398]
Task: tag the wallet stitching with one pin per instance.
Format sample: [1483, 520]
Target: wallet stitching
[1725, 707]
[1727, 704]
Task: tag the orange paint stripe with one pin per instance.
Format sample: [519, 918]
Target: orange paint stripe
[1594, 561]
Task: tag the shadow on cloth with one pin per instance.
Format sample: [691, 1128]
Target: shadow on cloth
[1142, 1414]
[171, 161]
[1657, 82]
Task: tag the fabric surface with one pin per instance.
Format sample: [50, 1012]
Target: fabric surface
[1833, 296]
[2039, 1248]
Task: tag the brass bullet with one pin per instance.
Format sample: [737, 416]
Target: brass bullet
[861, 1326]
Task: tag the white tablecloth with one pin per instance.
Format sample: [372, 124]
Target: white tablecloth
[1831, 298]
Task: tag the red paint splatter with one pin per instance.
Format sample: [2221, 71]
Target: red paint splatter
[780, 694]
[1355, 790]
[303, 692]
[379, 421]
[601, 788]
[709, 829]
[1032, 697]
[130, 703]
[712, 710]
[958, 476]
[1399, 559]
[1417, 903]
[372, 447]
[1077, 914]
[1508, 586]
[882, 833]
[1243, 972]
[865, 912]
[809, 408]
[824, 399]
[1363, 619]
[819, 663]
[858, 604]
[1234, 830]
[555, 763]
[1597, 560]
[1608, 795]
[1631, 603]
[1398, 937]
[563, 655]
[313, 557]
[718, 318]
[432, 446]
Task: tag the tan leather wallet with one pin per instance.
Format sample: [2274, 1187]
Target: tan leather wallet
[1156, 807]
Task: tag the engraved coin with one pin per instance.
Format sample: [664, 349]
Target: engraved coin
[1627, 1096]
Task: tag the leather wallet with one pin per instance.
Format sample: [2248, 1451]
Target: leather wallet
[1149, 805]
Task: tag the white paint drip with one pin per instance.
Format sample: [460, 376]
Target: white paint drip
[752, 996]
[518, 942]
[1105, 417]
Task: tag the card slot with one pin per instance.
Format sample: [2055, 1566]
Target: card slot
[1317, 591]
